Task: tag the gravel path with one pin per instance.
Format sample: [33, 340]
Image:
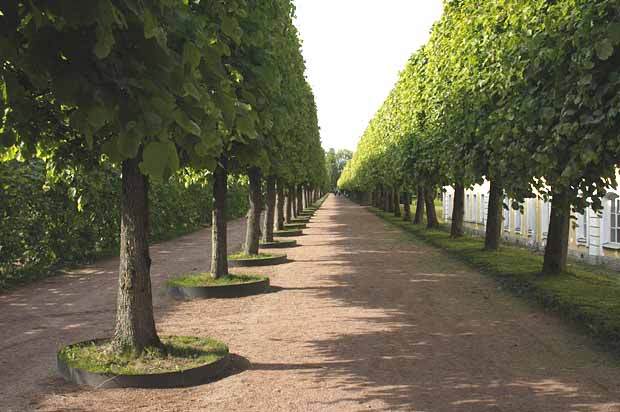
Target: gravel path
[361, 320]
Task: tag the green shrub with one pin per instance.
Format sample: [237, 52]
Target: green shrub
[74, 217]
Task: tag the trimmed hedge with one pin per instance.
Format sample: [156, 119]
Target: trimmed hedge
[73, 218]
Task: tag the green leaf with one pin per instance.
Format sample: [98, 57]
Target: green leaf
[97, 117]
[186, 123]
[105, 41]
[231, 28]
[191, 90]
[128, 145]
[613, 31]
[191, 55]
[159, 159]
[245, 125]
[604, 49]
[150, 24]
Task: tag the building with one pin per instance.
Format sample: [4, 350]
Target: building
[594, 236]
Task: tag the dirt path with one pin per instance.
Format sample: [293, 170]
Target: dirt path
[362, 320]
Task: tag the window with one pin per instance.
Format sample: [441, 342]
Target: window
[581, 231]
[467, 205]
[614, 227]
[506, 213]
[531, 216]
[450, 206]
[518, 220]
[475, 214]
[482, 207]
[546, 215]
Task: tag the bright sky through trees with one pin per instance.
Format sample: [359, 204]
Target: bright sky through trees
[354, 50]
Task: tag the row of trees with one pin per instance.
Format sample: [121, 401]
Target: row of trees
[335, 162]
[158, 87]
[521, 93]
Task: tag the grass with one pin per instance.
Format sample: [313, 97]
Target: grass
[277, 242]
[295, 225]
[179, 353]
[587, 295]
[205, 279]
[287, 231]
[243, 256]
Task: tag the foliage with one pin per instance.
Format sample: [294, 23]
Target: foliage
[75, 217]
[523, 92]
[335, 162]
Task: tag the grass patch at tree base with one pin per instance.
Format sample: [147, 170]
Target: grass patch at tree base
[286, 231]
[243, 256]
[206, 279]
[179, 353]
[587, 295]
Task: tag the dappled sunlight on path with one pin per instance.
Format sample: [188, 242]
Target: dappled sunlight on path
[362, 319]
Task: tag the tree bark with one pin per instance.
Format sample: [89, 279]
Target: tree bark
[396, 202]
[493, 235]
[279, 220]
[407, 207]
[135, 324]
[431, 213]
[390, 201]
[300, 200]
[290, 204]
[252, 234]
[419, 209]
[458, 211]
[556, 250]
[219, 251]
[270, 210]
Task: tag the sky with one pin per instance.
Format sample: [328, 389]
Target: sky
[354, 50]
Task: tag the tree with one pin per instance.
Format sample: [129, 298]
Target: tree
[128, 81]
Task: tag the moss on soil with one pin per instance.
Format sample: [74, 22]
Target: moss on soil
[287, 231]
[179, 353]
[205, 279]
[277, 242]
[243, 256]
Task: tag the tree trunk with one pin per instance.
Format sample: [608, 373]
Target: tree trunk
[419, 209]
[458, 211]
[135, 324]
[396, 203]
[300, 200]
[493, 233]
[252, 234]
[290, 204]
[279, 220]
[407, 206]
[431, 213]
[390, 201]
[556, 250]
[219, 251]
[270, 210]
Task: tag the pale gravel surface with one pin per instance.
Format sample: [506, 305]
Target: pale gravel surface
[361, 320]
